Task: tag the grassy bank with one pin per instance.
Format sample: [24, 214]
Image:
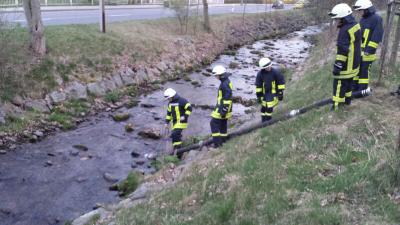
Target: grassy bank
[80, 52]
[320, 168]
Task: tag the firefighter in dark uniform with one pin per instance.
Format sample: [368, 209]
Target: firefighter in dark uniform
[223, 109]
[348, 58]
[270, 84]
[179, 110]
[372, 34]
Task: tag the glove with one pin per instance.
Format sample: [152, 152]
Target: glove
[280, 96]
[337, 68]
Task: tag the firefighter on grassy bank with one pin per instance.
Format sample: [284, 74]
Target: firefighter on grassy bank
[179, 110]
[372, 34]
[270, 84]
[223, 109]
[348, 58]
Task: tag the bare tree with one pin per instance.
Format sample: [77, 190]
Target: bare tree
[35, 26]
[207, 26]
[181, 12]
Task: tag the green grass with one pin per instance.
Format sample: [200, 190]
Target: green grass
[66, 114]
[320, 168]
[130, 184]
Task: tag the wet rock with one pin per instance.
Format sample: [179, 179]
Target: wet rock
[110, 178]
[76, 91]
[233, 65]
[209, 70]
[135, 154]
[129, 127]
[195, 83]
[81, 148]
[49, 163]
[96, 88]
[57, 97]
[147, 105]
[121, 117]
[2, 152]
[190, 156]
[131, 104]
[37, 105]
[206, 74]
[109, 85]
[150, 133]
[113, 187]
[74, 152]
[151, 156]
[245, 102]
[86, 219]
[140, 162]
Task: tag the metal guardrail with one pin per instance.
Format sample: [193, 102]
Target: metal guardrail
[18, 3]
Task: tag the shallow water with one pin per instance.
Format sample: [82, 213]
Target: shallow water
[35, 192]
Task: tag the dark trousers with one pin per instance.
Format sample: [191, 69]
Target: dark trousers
[342, 91]
[363, 78]
[266, 113]
[219, 131]
[176, 136]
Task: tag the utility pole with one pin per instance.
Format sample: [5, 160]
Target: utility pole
[102, 16]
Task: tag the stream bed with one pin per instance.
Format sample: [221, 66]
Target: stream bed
[67, 174]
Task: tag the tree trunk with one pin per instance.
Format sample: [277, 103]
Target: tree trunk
[395, 47]
[386, 37]
[207, 26]
[35, 26]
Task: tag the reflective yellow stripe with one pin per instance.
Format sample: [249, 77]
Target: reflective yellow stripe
[365, 37]
[373, 44]
[351, 53]
[187, 105]
[231, 85]
[369, 58]
[363, 81]
[168, 117]
[223, 135]
[271, 103]
[180, 126]
[216, 115]
[187, 112]
[258, 90]
[227, 102]
[341, 58]
[177, 143]
[337, 97]
[266, 114]
[215, 134]
[281, 87]
[348, 94]
[177, 114]
[169, 107]
[356, 78]
[273, 89]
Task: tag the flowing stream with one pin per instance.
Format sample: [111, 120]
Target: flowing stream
[52, 181]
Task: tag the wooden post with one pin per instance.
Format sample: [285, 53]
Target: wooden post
[102, 17]
[386, 38]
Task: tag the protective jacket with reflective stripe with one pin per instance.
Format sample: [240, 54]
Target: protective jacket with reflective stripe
[372, 33]
[177, 108]
[348, 58]
[269, 82]
[223, 108]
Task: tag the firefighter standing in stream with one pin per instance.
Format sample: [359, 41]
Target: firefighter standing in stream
[270, 84]
[223, 109]
[372, 34]
[348, 58]
[179, 110]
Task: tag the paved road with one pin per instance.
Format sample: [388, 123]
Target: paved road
[90, 16]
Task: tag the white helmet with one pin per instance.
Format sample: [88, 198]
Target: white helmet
[218, 70]
[362, 4]
[264, 63]
[340, 11]
[169, 93]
